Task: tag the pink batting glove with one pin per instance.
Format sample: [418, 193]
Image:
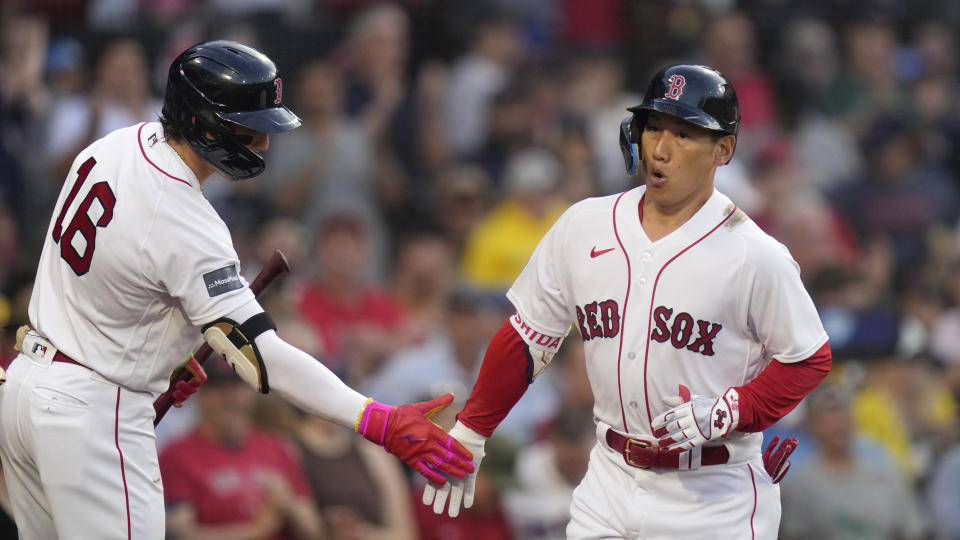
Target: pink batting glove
[185, 389]
[408, 433]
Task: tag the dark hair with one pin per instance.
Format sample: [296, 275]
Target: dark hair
[170, 131]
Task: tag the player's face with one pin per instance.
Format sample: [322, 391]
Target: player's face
[256, 141]
[680, 159]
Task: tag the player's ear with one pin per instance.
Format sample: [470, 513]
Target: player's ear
[723, 149]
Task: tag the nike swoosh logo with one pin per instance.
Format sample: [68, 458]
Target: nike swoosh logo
[409, 438]
[594, 253]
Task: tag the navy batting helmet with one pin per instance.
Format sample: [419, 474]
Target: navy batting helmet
[216, 84]
[696, 94]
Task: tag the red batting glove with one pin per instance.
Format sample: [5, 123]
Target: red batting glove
[775, 461]
[407, 432]
[185, 389]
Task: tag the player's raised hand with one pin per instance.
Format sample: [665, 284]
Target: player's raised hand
[408, 433]
[694, 420]
[458, 490]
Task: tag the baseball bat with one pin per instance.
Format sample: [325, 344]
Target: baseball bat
[275, 266]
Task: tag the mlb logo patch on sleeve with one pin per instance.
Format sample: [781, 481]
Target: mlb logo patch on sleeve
[223, 280]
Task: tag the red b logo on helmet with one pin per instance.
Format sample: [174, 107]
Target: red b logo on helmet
[278, 86]
[676, 87]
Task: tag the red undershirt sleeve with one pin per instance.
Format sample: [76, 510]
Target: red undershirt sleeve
[504, 376]
[779, 388]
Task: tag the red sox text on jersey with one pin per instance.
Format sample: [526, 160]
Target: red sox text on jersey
[602, 320]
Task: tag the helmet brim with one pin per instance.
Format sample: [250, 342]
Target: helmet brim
[682, 111]
[274, 120]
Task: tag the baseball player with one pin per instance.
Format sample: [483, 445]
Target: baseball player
[135, 261]
[697, 332]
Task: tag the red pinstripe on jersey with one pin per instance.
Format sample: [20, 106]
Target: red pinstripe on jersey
[142, 151]
[626, 296]
[653, 294]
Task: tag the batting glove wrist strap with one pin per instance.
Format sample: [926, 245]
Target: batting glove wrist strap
[694, 420]
[458, 491]
[467, 436]
[372, 421]
[408, 433]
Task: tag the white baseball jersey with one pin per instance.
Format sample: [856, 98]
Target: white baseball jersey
[707, 306]
[134, 260]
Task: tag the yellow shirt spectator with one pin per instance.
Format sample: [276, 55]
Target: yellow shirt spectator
[500, 246]
[502, 243]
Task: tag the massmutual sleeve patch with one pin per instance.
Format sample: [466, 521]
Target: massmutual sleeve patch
[223, 280]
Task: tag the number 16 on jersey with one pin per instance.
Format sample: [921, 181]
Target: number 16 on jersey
[81, 222]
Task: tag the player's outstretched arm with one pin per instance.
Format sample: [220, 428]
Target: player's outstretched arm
[405, 431]
[265, 361]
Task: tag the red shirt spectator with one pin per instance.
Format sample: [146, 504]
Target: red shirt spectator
[334, 318]
[226, 477]
[358, 321]
[226, 485]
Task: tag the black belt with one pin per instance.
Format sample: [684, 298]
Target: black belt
[642, 454]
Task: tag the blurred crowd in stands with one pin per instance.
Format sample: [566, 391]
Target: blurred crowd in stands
[441, 139]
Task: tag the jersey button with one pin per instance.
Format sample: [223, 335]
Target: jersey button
[643, 281]
[647, 255]
[632, 355]
[634, 404]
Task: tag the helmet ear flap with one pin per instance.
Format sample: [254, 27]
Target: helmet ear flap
[630, 129]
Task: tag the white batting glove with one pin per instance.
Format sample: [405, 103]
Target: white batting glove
[455, 489]
[694, 420]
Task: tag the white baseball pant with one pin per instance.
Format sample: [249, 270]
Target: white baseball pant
[79, 453]
[732, 501]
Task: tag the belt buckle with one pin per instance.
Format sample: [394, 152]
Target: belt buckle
[638, 444]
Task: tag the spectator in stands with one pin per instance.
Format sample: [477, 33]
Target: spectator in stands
[462, 203]
[359, 321]
[943, 495]
[867, 86]
[359, 490]
[729, 44]
[423, 276]
[902, 405]
[499, 247]
[844, 491]
[447, 357]
[24, 105]
[933, 50]
[899, 198]
[825, 150]
[547, 471]
[228, 479]
[328, 163]
[120, 96]
[596, 93]
[476, 78]
[944, 345]
[509, 131]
